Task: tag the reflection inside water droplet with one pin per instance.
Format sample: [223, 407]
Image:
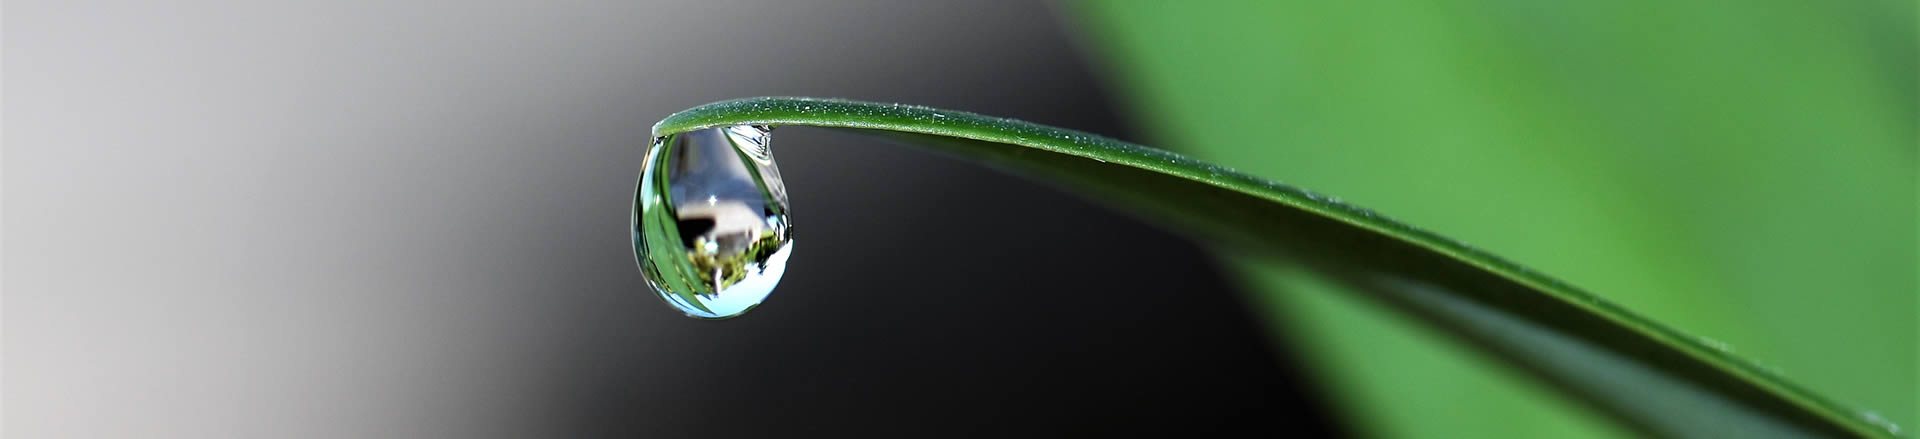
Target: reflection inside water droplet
[710, 224]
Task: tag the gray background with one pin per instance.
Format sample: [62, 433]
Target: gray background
[392, 219]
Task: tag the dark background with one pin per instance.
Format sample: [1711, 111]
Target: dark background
[362, 219]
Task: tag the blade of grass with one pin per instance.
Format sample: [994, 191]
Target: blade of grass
[1652, 378]
[1743, 173]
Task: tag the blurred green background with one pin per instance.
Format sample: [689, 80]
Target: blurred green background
[1742, 171]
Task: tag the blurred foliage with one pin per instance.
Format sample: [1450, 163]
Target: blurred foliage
[1740, 170]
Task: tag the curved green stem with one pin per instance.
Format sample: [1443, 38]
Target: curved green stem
[1652, 378]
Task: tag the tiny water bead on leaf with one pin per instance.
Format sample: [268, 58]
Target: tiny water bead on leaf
[710, 224]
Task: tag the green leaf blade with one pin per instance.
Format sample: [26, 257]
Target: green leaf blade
[1654, 379]
[1738, 171]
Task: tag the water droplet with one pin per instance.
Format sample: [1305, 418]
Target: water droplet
[1874, 418]
[710, 222]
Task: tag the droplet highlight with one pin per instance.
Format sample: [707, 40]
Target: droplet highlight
[710, 224]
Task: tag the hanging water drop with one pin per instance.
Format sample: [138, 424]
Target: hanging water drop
[710, 224]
